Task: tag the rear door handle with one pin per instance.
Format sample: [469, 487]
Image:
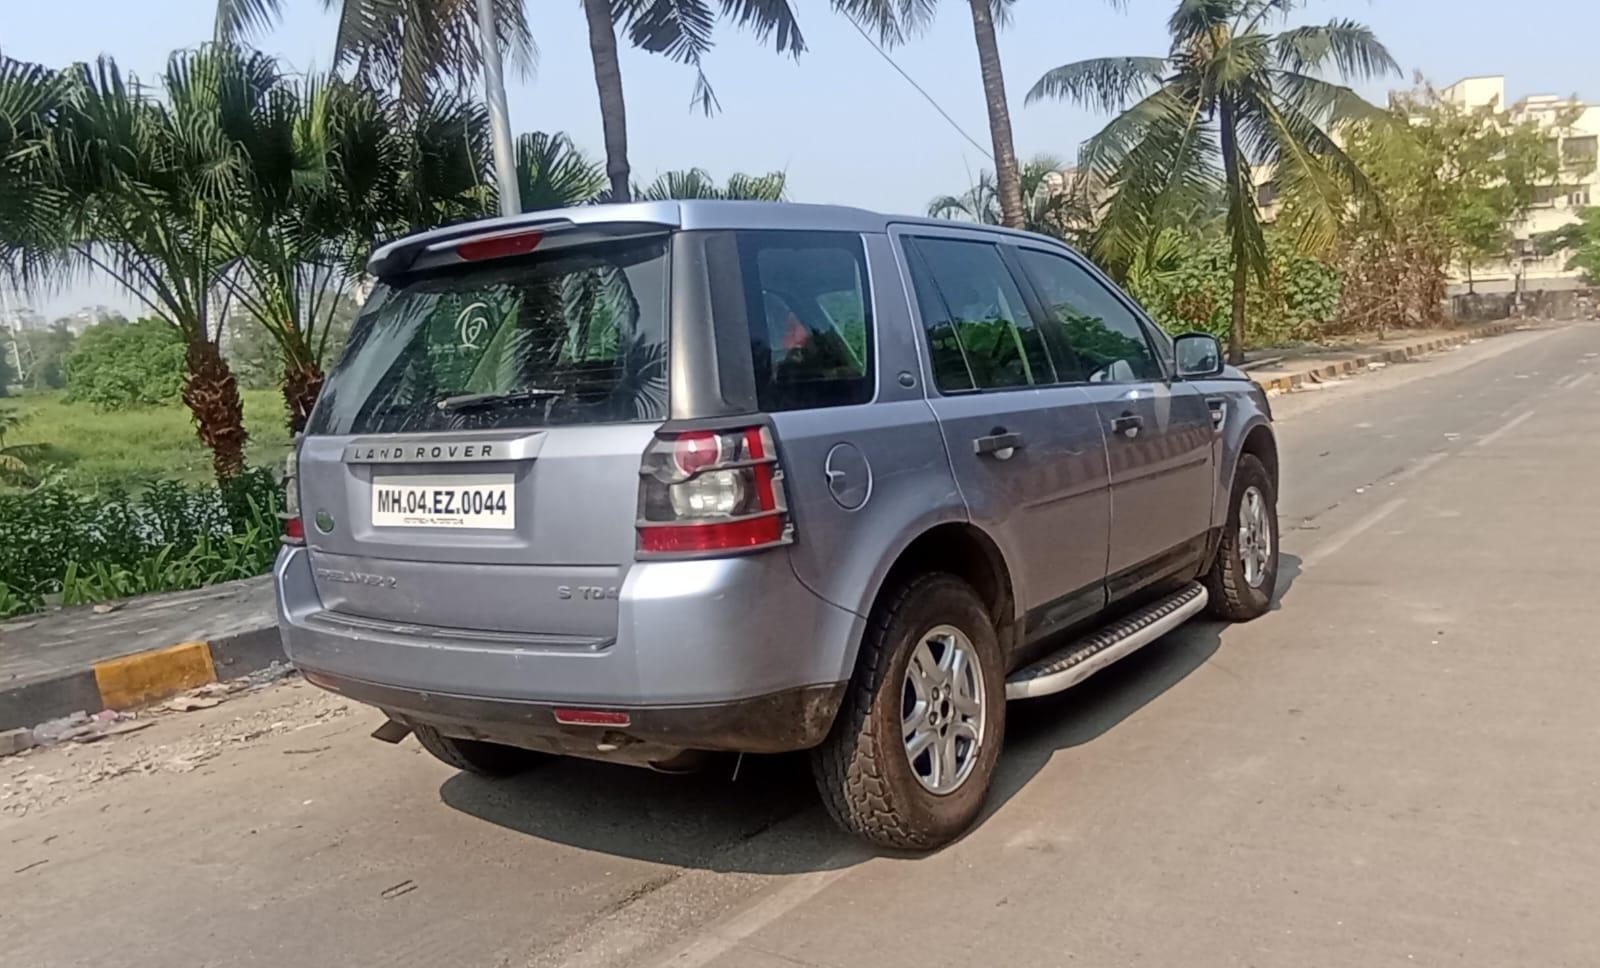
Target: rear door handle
[1000, 445]
[1128, 425]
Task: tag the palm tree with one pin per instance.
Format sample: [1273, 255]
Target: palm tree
[681, 30]
[1226, 89]
[416, 45]
[136, 189]
[335, 167]
[553, 173]
[698, 183]
[419, 46]
[1053, 200]
[894, 20]
[31, 203]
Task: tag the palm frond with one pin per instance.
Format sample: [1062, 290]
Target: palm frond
[1352, 48]
[553, 173]
[894, 21]
[773, 19]
[1106, 83]
[237, 19]
[771, 187]
[1198, 21]
[1157, 161]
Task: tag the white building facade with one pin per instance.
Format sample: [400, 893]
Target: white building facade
[1578, 144]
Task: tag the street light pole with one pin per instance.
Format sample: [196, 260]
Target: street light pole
[494, 91]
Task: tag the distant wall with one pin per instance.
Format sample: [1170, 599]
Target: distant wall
[1486, 307]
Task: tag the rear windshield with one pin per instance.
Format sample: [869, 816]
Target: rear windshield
[573, 336]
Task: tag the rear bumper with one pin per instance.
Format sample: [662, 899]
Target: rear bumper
[727, 654]
[790, 720]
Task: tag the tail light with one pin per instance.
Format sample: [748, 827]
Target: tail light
[709, 491]
[294, 526]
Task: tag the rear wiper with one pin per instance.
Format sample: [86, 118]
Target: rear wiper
[468, 401]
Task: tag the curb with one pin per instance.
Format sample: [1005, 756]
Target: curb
[140, 678]
[1294, 381]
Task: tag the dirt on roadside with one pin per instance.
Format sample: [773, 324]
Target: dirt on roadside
[177, 736]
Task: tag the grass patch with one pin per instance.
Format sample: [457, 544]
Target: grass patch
[92, 450]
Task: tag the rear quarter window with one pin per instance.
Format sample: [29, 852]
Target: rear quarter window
[808, 305]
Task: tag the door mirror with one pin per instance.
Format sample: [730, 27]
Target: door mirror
[1199, 356]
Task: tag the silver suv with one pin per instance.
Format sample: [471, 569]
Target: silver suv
[648, 482]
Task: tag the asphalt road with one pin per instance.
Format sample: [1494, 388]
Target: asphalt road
[1395, 767]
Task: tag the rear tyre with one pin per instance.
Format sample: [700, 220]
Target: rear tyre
[476, 756]
[911, 754]
[1245, 572]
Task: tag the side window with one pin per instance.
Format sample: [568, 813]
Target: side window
[975, 309]
[1103, 332]
[810, 316]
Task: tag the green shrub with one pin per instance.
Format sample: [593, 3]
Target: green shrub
[1189, 286]
[118, 365]
[172, 536]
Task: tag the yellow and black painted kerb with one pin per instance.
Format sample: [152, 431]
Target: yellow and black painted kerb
[129, 681]
[1293, 381]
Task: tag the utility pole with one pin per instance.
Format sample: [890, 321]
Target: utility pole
[494, 93]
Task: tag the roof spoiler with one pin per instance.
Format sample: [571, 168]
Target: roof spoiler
[575, 226]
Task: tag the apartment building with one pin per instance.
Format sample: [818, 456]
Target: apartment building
[1578, 144]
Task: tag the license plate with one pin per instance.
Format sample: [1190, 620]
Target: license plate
[445, 501]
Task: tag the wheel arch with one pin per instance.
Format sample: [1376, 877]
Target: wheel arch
[965, 550]
[1256, 438]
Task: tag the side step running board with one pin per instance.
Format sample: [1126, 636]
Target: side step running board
[1085, 657]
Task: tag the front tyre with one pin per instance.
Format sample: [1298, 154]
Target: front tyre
[911, 754]
[1245, 571]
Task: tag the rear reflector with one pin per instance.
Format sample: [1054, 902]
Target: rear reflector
[499, 246]
[294, 530]
[592, 717]
[721, 536]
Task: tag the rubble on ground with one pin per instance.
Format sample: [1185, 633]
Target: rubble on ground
[163, 743]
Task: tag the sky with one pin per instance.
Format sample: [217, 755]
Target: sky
[843, 125]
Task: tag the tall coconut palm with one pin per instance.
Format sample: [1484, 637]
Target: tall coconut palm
[681, 30]
[1228, 90]
[895, 20]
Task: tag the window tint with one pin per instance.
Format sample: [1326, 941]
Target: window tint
[977, 309]
[810, 318]
[950, 371]
[1104, 333]
[574, 336]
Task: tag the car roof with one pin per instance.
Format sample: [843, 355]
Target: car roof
[690, 214]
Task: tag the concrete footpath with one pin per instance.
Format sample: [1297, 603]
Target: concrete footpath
[146, 649]
[125, 654]
[1319, 365]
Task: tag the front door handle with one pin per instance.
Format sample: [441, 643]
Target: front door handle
[1128, 425]
[1000, 445]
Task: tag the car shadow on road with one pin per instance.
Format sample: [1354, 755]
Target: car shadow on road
[712, 820]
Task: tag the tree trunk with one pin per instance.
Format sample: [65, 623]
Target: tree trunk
[302, 382]
[1007, 175]
[613, 110]
[1470, 291]
[212, 395]
[1236, 209]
